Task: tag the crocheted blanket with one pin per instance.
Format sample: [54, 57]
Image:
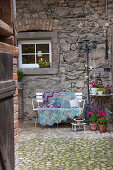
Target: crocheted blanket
[53, 110]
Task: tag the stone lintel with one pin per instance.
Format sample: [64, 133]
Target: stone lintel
[37, 35]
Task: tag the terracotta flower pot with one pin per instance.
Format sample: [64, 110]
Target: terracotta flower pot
[102, 128]
[93, 126]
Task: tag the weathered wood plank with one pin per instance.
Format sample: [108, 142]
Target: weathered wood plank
[5, 29]
[0, 12]
[6, 66]
[4, 154]
[7, 88]
[7, 40]
[14, 51]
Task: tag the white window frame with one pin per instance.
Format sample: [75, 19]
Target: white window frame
[33, 42]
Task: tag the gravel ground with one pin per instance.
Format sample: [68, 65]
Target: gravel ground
[52, 148]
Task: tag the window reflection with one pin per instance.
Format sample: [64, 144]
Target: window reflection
[28, 48]
[28, 59]
[44, 48]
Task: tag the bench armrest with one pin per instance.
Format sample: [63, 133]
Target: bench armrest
[33, 105]
[81, 103]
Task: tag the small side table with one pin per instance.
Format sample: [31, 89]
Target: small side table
[81, 126]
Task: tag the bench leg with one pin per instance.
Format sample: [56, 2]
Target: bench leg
[75, 128]
[36, 119]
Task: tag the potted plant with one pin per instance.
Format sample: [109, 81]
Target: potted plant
[20, 77]
[102, 121]
[93, 123]
[93, 118]
[99, 82]
[100, 91]
[93, 87]
[108, 90]
[43, 64]
[102, 124]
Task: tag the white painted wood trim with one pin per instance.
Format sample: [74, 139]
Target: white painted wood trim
[33, 42]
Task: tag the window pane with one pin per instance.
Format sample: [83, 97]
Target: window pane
[28, 48]
[45, 57]
[42, 48]
[28, 59]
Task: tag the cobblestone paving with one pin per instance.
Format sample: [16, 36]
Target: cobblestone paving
[62, 149]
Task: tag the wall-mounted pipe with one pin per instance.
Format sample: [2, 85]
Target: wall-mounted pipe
[14, 14]
[14, 9]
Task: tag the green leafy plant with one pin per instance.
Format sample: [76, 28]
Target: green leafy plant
[99, 79]
[102, 121]
[47, 64]
[20, 74]
[93, 119]
[100, 89]
[93, 114]
[44, 63]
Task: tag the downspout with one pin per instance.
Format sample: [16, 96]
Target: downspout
[14, 9]
[14, 14]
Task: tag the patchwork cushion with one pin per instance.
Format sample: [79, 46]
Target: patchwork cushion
[52, 103]
[49, 96]
[74, 103]
[65, 104]
[68, 95]
[57, 102]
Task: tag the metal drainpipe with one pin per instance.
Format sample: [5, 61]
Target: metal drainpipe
[14, 13]
[14, 9]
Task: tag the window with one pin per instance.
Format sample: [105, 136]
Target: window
[31, 52]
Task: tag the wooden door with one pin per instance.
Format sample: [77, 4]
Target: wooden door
[7, 89]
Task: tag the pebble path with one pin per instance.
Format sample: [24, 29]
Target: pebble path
[52, 148]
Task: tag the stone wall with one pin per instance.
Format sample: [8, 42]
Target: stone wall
[73, 20]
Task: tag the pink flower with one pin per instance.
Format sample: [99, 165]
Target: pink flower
[104, 113]
[93, 84]
[99, 115]
[102, 118]
[99, 111]
[97, 119]
[90, 113]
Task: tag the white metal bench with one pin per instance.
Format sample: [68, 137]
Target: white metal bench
[35, 104]
[39, 99]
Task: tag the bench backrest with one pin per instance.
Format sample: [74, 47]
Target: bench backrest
[40, 99]
[79, 97]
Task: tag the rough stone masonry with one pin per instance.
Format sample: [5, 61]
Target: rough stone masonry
[72, 20]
